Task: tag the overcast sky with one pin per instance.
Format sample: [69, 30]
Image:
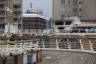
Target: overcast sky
[46, 5]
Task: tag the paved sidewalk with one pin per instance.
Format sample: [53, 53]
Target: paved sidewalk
[68, 57]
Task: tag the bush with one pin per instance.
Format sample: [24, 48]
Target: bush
[11, 39]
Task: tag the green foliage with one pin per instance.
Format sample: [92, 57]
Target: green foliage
[11, 39]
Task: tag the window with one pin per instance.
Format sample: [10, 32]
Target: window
[75, 2]
[80, 9]
[62, 2]
[69, 2]
[17, 1]
[62, 9]
[2, 20]
[59, 23]
[2, 6]
[62, 16]
[2, 26]
[68, 23]
[69, 15]
[9, 0]
[60, 27]
[79, 16]
[80, 2]
[75, 10]
[2, 0]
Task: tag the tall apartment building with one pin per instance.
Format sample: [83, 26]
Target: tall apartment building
[84, 9]
[10, 11]
[63, 10]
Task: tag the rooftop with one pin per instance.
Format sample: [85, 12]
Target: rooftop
[34, 15]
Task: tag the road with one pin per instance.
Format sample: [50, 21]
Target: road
[68, 57]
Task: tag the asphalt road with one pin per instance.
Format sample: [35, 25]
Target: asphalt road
[68, 57]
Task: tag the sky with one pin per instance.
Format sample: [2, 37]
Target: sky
[46, 5]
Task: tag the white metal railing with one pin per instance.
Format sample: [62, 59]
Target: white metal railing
[17, 48]
[2, 8]
[21, 47]
[2, 15]
[1, 1]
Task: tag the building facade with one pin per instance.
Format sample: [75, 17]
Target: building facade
[10, 11]
[33, 23]
[84, 9]
[75, 24]
[64, 10]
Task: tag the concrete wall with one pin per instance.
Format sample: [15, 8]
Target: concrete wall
[88, 9]
[56, 9]
[87, 12]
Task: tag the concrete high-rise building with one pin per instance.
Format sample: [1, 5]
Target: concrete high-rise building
[84, 9]
[74, 18]
[10, 11]
[64, 10]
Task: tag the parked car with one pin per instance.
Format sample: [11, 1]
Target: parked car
[93, 30]
[78, 30]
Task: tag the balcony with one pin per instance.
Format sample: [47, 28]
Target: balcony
[2, 15]
[2, 1]
[19, 2]
[16, 15]
[2, 8]
[17, 9]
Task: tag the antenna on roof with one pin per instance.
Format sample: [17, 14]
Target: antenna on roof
[30, 5]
